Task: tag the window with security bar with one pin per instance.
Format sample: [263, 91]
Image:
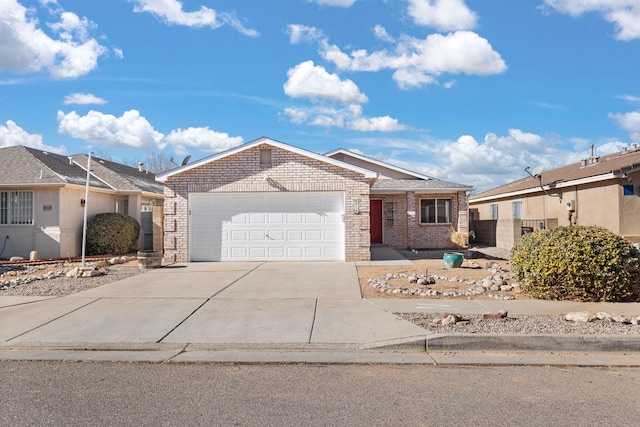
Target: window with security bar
[16, 208]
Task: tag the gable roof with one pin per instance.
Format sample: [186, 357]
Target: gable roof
[264, 140]
[594, 169]
[121, 177]
[414, 181]
[376, 163]
[29, 167]
[417, 185]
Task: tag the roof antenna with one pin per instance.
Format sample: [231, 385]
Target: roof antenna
[186, 160]
[536, 174]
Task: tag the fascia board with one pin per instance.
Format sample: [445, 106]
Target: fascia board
[365, 172]
[575, 182]
[419, 190]
[378, 163]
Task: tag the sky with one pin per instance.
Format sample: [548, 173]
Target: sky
[468, 91]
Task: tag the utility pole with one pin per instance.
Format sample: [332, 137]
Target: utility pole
[86, 207]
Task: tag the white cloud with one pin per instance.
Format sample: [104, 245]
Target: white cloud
[630, 122]
[630, 98]
[624, 14]
[307, 80]
[201, 138]
[12, 134]
[381, 34]
[118, 52]
[171, 12]
[26, 48]
[337, 3]
[488, 162]
[312, 82]
[347, 117]
[420, 61]
[83, 99]
[131, 130]
[443, 15]
[303, 34]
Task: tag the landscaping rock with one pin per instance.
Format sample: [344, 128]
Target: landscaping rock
[580, 317]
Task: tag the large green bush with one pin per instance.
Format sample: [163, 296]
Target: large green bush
[577, 263]
[111, 233]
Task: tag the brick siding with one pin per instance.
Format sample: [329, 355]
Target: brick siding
[406, 231]
[242, 172]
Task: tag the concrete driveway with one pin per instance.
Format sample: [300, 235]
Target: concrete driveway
[256, 304]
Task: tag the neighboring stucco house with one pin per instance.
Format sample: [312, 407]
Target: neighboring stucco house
[266, 200]
[42, 199]
[602, 191]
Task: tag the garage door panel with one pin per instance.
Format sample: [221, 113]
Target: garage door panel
[333, 235]
[266, 226]
[239, 219]
[311, 235]
[314, 253]
[294, 218]
[295, 235]
[256, 235]
[276, 253]
[257, 218]
[313, 218]
[294, 253]
[257, 252]
[276, 235]
[239, 235]
[276, 218]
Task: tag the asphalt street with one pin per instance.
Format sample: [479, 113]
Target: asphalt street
[137, 394]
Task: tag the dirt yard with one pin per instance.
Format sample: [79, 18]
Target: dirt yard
[430, 263]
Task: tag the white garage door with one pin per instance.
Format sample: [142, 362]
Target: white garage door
[266, 226]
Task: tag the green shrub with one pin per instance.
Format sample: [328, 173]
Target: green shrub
[111, 233]
[577, 263]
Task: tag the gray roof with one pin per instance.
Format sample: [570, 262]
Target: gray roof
[417, 185]
[122, 177]
[24, 166]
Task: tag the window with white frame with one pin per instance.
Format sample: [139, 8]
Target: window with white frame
[493, 211]
[16, 207]
[516, 209]
[436, 211]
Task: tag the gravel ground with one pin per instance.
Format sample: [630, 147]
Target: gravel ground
[61, 286]
[521, 324]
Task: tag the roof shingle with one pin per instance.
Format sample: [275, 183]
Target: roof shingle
[605, 165]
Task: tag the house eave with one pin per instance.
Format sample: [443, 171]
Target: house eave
[378, 163]
[264, 140]
[560, 185]
[32, 185]
[418, 190]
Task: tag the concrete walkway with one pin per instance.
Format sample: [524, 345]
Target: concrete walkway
[275, 312]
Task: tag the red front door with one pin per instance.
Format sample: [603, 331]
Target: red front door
[375, 217]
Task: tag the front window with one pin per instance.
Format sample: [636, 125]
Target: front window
[16, 207]
[493, 211]
[516, 209]
[436, 211]
[122, 206]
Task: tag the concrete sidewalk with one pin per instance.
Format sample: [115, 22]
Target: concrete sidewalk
[276, 312]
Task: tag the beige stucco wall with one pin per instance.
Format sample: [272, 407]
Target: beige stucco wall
[58, 221]
[599, 204]
[242, 172]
